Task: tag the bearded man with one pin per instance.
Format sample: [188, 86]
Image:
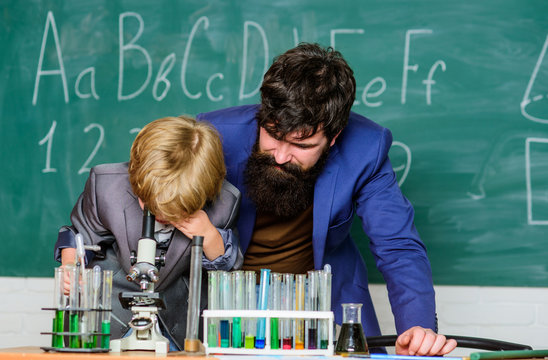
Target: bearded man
[305, 165]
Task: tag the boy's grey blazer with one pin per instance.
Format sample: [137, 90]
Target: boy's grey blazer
[107, 213]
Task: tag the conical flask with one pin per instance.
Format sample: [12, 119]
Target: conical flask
[351, 338]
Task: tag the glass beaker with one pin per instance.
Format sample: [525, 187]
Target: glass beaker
[351, 338]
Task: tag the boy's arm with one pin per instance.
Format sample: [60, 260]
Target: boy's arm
[199, 224]
[221, 246]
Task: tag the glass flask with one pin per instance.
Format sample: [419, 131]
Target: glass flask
[351, 339]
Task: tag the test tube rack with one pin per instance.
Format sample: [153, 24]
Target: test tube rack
[268, 314]
[67, 337]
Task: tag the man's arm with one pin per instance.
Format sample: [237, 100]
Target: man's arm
[400, 255]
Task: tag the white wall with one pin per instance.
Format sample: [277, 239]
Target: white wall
[509, 314]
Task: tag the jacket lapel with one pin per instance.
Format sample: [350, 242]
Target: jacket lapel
[324, 192]
[133, 220]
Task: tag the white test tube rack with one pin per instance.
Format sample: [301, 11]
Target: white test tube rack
[268, 314]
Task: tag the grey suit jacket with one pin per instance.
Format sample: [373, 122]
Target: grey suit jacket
[107, 213]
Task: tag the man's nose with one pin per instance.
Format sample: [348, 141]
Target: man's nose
[282, 154]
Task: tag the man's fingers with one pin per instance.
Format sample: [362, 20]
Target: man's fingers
[417, 337]
[449, 346]
[428, 340]
[438, 344]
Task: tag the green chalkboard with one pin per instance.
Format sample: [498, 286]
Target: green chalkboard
[462, 85]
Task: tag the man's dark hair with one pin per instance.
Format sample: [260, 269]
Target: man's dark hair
[307, 89]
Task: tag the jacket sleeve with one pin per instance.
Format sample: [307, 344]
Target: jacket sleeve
[85, 220]
[400, 255]
[223, 214]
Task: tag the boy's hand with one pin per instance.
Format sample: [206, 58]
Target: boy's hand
[198, 224]
[67, 257]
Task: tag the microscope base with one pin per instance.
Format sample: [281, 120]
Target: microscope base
[157, 343]
[148, 338]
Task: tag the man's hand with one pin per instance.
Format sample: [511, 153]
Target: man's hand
[423, 342]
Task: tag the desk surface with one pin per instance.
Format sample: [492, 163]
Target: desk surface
[35, 353]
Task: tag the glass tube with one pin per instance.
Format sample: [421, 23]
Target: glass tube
[85, 301]
[193, 310]
[239, 304]
[325, 305]
[226, 304]
[300, 280]
[264, 286]
[213, 298]
[74, 340]
[59, 305]
[275, 304]
[95, 315]
[251, 304]
[106, 304]
[287, 304]
[312, 305]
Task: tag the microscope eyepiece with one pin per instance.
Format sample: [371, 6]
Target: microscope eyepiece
[148, 224]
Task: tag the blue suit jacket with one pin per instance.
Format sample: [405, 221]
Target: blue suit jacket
[357, 179]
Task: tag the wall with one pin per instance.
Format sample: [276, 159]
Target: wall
[503, 313]
[462, 86]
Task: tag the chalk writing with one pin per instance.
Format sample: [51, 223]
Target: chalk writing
[527, 95]
[531, 220]
[130, 50]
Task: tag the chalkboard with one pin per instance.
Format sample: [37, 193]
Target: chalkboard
[462, 85]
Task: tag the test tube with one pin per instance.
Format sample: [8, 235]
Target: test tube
[86, 300]
[95, 315]
[58, 304]
[287, 304]
[74, 340]
[300, 280]
[192, 343]
[275, 304]
[251, 304]
[226, 304]
[262, 305]
[107, 306]
[213, 298]
[312, 305]
[239, 304]
[325, 304]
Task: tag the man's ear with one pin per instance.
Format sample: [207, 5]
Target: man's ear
[334, 138]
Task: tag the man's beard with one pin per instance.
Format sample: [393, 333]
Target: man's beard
[284, 190]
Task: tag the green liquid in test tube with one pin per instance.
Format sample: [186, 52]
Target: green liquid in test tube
[59, 305]
[324, 283]
[213, 298]
[300, 281]
[86, 317]
[287, 304]
[275, 304]
[251, 304]
[239, 304]
[74, 340]
[106, 305]
[95, 316]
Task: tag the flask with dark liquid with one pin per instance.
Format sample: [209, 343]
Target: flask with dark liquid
[351, 339]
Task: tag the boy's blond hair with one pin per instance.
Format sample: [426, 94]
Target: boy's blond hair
[176, 165]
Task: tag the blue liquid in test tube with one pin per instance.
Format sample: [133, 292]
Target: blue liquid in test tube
[262, 305]
[226, 304]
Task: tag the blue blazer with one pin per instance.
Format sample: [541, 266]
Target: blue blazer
[358, 179]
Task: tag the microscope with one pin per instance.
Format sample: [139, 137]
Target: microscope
[145, 304]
